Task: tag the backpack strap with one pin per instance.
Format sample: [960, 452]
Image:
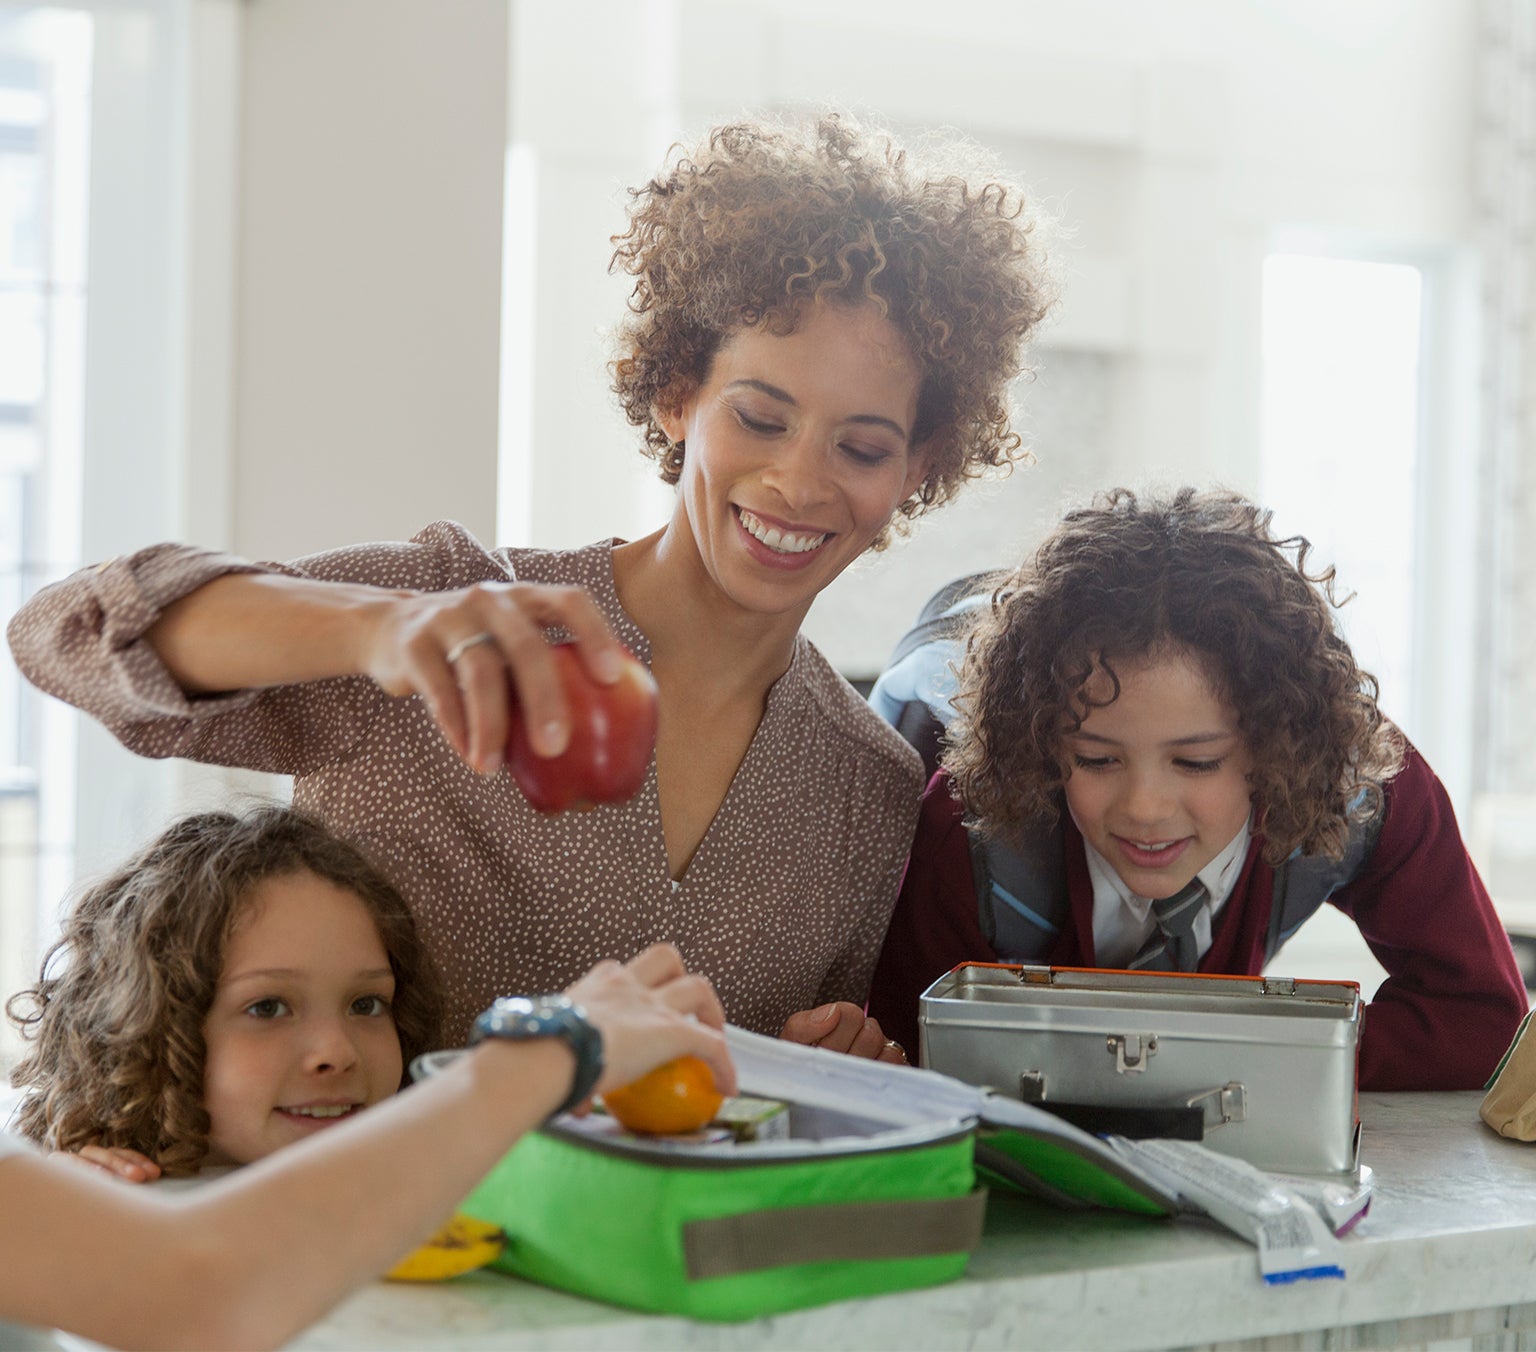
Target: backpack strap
[944, 613]
[914, 690]
[1021, 884]
[1021, 890]
[1304, 882]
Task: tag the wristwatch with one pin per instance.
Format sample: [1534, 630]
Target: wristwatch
[521, 1017]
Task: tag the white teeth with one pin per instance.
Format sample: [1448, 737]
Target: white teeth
[782, 542]
[1158, 848]
[330, 1110]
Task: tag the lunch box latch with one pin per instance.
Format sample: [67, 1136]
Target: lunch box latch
[1131, 1051]
[1034, 975]
[1226, 1103]
[1032, 1086]
[1279, 985]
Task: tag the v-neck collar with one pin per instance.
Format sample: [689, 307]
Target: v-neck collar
[776, 706]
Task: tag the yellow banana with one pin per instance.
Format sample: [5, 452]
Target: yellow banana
[460, 1245]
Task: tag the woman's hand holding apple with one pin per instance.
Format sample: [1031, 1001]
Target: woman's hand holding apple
[612, 738]
[495, 633]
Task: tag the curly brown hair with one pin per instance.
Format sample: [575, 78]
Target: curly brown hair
[116, 1018]
[762, 219]
[1198, 573]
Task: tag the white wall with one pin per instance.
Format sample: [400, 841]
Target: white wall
[369, 269]
[294, 302]
[1178, 141]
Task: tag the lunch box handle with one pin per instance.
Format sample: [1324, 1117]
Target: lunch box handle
[1188, 1121]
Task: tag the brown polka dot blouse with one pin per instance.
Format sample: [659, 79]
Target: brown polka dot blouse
[784, 905]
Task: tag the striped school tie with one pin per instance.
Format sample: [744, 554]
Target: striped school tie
[1172, 946]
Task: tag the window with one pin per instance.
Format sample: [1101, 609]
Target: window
[1342, 465]
[44, 114]
[1341, 347]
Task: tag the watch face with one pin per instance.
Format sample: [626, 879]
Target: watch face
[515, 1006]
[519, 1016]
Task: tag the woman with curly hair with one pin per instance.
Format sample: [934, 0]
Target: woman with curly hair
[820, 339]
[1165, 757]
[239, 984]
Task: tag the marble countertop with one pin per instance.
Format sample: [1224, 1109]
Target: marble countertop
[1448, 1251]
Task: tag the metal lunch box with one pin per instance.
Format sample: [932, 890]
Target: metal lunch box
[1260, 1068]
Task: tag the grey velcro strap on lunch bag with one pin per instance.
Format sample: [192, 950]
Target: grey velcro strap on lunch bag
[721, 1246]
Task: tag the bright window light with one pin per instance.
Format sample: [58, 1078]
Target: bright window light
[45, 92]
[1341, 399]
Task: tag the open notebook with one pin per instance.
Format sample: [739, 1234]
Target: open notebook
[1017, 1145]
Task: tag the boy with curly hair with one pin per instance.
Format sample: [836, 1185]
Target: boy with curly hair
[1166, 757]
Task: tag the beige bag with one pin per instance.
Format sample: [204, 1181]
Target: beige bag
[1509, 1106]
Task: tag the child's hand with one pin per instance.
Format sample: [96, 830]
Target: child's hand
[649, 1010]
[842, 1027]
[117, 1160]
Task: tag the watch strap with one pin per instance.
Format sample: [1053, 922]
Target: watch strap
[520, 1018]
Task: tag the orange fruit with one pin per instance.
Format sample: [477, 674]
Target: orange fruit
[676, 1097]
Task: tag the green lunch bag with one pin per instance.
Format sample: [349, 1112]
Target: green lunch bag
[874, 1191]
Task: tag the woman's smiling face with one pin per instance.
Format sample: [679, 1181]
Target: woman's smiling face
[301, 1034]
[1157, 781]
[798, 450]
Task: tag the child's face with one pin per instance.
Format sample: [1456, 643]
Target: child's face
[300, 1035]
[1157, 781]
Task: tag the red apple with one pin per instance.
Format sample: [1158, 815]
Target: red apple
[613, 734]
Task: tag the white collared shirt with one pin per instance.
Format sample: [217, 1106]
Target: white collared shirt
[1123, 921]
